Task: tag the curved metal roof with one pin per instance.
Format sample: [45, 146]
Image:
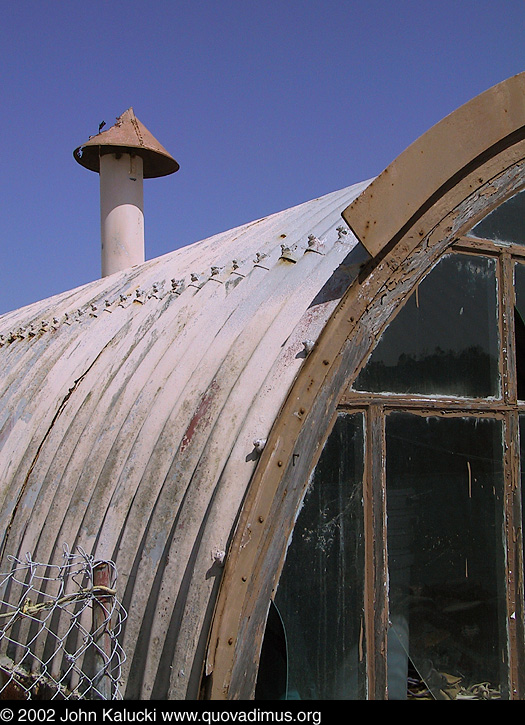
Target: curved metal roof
[129, 408]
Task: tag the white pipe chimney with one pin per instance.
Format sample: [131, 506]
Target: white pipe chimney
[121, 212]
[123, 156]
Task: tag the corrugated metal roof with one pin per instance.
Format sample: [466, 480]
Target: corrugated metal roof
[129, 409]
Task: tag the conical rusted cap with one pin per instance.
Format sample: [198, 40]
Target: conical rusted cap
[128, 135]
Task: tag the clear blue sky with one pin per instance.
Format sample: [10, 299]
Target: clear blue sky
[264, 105]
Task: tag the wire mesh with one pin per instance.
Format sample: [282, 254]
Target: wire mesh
[59, 630]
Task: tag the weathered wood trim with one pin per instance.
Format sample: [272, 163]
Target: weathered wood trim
[486, 246]
[515, 527]
[376, 577]
[506, 314]
[419, 405]
[514, 558]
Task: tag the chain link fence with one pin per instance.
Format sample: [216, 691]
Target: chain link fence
[59, 630]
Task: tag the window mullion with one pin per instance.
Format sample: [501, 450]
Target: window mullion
[513, 533]
[514, 559]
[376, 604]
[506, 303]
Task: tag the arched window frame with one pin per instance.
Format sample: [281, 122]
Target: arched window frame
[505, 407]
[485, 171]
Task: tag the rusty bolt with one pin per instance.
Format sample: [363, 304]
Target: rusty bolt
[259, 444]
[308, 346]
[218, 556]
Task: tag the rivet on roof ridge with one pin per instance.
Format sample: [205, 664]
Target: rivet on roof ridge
[308, 346]
[259, 444]
[289, 253]
[177, 285]
[258, 259]
[197, 280]
[218, 556]
[341, 234]
[219, 274]
[315, 244]
[236, 268]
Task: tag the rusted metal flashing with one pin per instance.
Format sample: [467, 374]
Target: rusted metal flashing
[431, 167]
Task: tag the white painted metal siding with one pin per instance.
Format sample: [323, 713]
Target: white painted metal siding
[129, 409]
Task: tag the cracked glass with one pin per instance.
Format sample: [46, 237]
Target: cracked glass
[504, 224]
[444, 340]
[446, 561]
[313, 647]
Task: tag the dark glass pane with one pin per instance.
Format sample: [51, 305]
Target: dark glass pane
[519, 328]
[445, 338]
[445, 556]
[320, 596]
[504, 224]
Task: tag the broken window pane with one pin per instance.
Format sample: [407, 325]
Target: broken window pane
[446, 557]
[504, 224]
[318, 614]
[445, 338]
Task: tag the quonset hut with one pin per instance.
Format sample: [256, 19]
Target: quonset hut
[298, 440]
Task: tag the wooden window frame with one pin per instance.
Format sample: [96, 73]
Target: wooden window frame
[507, 408]
[322, 389]
[479, 155]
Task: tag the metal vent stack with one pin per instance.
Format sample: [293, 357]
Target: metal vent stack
[123, 156]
